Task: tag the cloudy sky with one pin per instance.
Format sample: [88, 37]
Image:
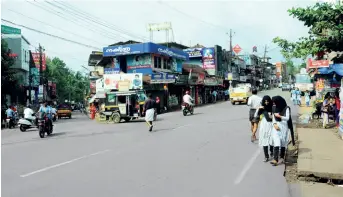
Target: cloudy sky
[100, 23]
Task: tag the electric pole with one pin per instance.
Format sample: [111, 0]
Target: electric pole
[230, 54]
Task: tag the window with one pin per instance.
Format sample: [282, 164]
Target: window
[165, 63]
[157, 62]
[110, 99]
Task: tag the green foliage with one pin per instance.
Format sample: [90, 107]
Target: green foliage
[69, 85]
[325, 35]
[8, 79]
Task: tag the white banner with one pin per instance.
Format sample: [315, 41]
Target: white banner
[111, 81]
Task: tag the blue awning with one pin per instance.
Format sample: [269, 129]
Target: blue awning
[338, 69]
[141, 48]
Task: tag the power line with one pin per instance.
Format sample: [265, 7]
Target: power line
[57, 13]
[51, 35]
[82, 18]
[196, 18]
[53, 26]
[99, 20]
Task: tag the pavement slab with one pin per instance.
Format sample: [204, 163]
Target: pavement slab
[320, 190]
[320, 154]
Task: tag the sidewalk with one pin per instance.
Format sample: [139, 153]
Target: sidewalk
[320, 158]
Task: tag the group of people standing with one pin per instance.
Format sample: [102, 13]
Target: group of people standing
[274, 116]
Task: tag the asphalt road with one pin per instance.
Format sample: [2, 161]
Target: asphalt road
[207, 154]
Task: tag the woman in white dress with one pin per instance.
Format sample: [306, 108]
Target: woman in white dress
[282, 123]
[265, 126]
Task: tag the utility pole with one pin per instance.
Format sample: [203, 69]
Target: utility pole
[41, 82]
[230, 54]
[263, 63]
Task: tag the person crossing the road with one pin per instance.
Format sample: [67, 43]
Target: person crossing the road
[254, 103]
[149, 110]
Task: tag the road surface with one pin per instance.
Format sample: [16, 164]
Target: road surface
[208, 154]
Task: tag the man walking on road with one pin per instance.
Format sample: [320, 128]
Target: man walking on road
[254, 102]
[149, 109]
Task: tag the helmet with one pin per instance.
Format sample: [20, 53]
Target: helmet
[187, 92]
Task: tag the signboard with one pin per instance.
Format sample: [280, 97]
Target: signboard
[36, 59]
[111, 81]
[162, 78]
[278, 66]
[124, 86]
[229, 76]
[210, 82]
[182, 79]
[111, 70]
[194, 52]
[139, 64]
[10, 30]
[40, 89]
[159, 26]
[92, 86]
[99, 86]
[237, 49]
[243, 78]
[317, 63]
[209, 61]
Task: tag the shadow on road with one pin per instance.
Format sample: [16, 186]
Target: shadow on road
[57, 134]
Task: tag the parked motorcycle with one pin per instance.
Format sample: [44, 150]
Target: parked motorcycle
[25, 124]
[186, 108]
[45, 127]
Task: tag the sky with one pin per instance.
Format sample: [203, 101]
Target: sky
[254, 23]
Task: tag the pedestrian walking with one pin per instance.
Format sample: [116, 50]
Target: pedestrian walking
[325, 110]
[307, 98]
[337, 106]
[265, 127]
[294, 96]
[282, 127]
[298, 93]
[149, 109]
[214, 94]
[254, 103]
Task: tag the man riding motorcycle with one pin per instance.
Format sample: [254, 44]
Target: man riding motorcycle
[28, 114]
[46, 110]
[188, 100]
[10, 115]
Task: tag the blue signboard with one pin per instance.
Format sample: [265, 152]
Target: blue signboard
[162, 78]
[170, 76]
[156, 76]
[140, 63]
[132, 49]
[111, 70]
[194, 52]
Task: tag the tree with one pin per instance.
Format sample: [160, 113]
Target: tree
[325, 21]
[69, 85]
[7, 61]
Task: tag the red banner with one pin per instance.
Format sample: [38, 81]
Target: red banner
[317, 63]
[36, 58]
[53, 89]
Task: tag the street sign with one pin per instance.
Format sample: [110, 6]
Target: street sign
[237, 49]
[10, 30]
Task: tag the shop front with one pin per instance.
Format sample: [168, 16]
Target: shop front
[162, 82]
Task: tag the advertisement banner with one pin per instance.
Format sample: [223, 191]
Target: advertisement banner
[92, 86]
[162, 78]
[36, 59]
[135, 81]
[111, 70]
[317, 63]
[139, 64]
[194, 52]
[209, 61]
[278, 66]
[53, 89]
[99, 86]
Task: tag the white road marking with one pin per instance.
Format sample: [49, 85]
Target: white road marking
[62, 164]
[182, 126]
[247, 167]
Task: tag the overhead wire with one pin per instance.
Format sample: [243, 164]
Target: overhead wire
[54, 26]
[51, 35]
[100, 21]
[57, 13]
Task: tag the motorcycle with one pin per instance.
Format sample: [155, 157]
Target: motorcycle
[25, 124]
[186, 108]
[44, 127]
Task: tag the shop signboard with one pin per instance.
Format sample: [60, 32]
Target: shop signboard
[243, 78]
[111, 70]
[210, 82]
[317, 63]
[99, 85]
[181, 80]
[139, 64]
[111, 81]
[144, 48]
[194, 52]
[162, 78]
[229, 76]
[9, 30]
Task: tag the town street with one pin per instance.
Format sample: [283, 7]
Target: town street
[207, 154]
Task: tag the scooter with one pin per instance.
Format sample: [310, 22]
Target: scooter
[44, 127]
[186, 108]
[25, 124]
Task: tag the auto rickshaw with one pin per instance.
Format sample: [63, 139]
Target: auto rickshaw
[126, 105]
